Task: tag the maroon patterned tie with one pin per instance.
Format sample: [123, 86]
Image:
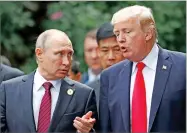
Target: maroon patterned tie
[45, 110]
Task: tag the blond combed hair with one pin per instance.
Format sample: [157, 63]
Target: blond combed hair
[143, 14]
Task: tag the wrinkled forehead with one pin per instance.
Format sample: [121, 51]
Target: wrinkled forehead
[67, 49]
[59, 40]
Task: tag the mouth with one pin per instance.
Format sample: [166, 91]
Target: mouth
[63, 71]
[123, 49]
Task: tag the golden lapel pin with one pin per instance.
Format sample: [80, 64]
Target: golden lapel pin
[70, 92]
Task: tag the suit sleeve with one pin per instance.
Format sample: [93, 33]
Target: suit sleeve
[3, 126]
[91, 106]
[104, 116]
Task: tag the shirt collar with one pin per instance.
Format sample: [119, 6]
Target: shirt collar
[150, 60]
[91, 74]
[39, 80]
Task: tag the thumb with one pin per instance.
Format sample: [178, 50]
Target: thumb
[92, 120]
[87, 115]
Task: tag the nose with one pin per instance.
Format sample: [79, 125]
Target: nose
[121, 38]
[65, 60]
[111, 55]
[94, 54]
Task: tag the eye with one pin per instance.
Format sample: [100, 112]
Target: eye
[104, 50]
[70, 54]
[117, 34]
[58, 54]
[117, 49]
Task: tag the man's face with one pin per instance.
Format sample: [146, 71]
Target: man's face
[131, 39]
[90, 53]
[56, 59]
[109, 52]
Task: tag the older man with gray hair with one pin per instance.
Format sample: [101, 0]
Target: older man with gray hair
[46, 100]
[146, 92]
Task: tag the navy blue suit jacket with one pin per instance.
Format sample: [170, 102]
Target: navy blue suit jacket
[168, 106]
[16, 105]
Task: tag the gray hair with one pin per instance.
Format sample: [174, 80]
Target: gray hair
[47, 35]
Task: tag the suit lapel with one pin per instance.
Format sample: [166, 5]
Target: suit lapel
[124, 85]
[64, 99]
[162, 74]
[26, 100]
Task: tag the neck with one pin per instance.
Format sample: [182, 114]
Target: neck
[147, 51]
[44, 74]
[96, 71]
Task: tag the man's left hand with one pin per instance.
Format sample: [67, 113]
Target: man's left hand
[85, 123]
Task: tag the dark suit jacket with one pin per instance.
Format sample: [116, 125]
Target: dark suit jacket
[17, 108]
[96, 86]
[7, 72]
[84, 78]
[168, 106]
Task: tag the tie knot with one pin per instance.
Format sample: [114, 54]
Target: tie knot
[47, 86]
[140, 66]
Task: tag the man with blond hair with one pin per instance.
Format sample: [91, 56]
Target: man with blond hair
[46, 100]
[146, 92]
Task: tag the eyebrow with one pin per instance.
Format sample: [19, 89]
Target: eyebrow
[116, 46]
[62, 49]
[102, 47]
[121, 29]
[114, 31]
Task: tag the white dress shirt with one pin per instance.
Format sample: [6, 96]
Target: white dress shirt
[92, 76]
[149, 72]
[39, 91]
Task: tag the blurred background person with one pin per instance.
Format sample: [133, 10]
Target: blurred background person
[91, 58]
[74, 72]
[108, 51]
[7, 72]
[5, 60]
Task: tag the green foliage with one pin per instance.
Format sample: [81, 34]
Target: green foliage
[76, 20]
[13, 20]
[79, 17]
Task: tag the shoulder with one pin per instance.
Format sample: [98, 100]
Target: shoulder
[176, 57]
[94, 84]
[78, 86]
[11, 72]
[14, 81]
[116, 68]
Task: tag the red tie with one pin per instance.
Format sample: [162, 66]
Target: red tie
[45, 109]
[139, 108]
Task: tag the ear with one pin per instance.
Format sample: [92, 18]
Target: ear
[148, 34]
[39, 54]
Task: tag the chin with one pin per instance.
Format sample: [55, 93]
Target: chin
[60, 76]
[96, 67]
